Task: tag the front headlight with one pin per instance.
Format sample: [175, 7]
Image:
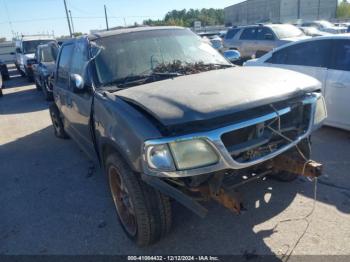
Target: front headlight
[183, 155]
[193, 154]
[159, 157]
[320, 112]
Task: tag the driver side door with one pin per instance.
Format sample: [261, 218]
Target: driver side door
[79, 102]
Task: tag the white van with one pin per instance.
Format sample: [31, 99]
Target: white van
[25, 50]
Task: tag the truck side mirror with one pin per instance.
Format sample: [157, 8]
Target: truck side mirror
[18, 50]
[232, 55]
[77, 82]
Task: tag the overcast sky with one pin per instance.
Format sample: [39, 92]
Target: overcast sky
[42, 16]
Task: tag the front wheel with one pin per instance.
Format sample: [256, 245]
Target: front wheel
[144, 213]
[57, 122]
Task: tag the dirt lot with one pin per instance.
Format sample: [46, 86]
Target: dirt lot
[53, 201]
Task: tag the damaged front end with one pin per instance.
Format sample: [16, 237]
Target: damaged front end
[275, 141]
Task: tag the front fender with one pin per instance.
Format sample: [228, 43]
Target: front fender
[122, 128]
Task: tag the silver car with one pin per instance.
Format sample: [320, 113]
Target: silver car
[255, 41]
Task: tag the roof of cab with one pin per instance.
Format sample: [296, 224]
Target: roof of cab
[130, 30]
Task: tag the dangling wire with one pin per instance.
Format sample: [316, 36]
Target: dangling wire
[307, 161]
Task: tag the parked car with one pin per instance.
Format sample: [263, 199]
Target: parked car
[4, 71]
[325, 26]
[7, 56]
[313, 31]
[25, 50]
[327, 59]
[168, 116]
[44, 66]
[254, 41]
[1, 85]
[214, 39]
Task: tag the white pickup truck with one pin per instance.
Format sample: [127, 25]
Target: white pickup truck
[7, 56]
[25, 50]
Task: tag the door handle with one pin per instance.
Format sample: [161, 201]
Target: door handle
[338, 85]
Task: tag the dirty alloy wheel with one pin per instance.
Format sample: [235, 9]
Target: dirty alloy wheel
[57, 122]
[287, 176]
[47, 95]
[122, 201]
[143, 212]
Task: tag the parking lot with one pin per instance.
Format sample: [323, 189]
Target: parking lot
[54, 201]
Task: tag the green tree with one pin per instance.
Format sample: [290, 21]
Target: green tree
[343, 10]
[188, 17]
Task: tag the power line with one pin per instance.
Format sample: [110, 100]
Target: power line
[8, 17]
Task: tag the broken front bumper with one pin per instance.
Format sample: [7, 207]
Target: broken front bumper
[226, 153]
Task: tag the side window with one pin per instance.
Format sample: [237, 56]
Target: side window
[341, 57]
[37, 55]
[63, 65]
[79, 58]
[231, 33]
[315, 54]
[265, 33]
[249, 34]
[279, 57]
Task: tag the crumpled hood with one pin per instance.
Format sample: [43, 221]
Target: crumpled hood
[216, 93]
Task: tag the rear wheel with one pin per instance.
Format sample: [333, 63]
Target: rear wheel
[303, 146]
[57, 122]
[143, 212]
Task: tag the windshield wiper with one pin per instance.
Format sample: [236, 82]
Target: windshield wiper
[140, 79]
[220, 65]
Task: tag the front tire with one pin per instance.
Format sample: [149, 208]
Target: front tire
[57, 122]
[143, 212]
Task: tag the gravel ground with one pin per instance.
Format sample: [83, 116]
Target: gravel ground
[54, 201]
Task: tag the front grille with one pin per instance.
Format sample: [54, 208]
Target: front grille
[256, 141]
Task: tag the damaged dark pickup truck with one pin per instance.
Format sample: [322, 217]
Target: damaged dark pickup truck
[168, 117]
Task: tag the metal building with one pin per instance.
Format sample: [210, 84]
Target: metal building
[280, 11]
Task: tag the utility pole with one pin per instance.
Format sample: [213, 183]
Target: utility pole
[318, 9]
[124, 22]
[106, 17]
[71, 20]
[298, 9]
[70, 29]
